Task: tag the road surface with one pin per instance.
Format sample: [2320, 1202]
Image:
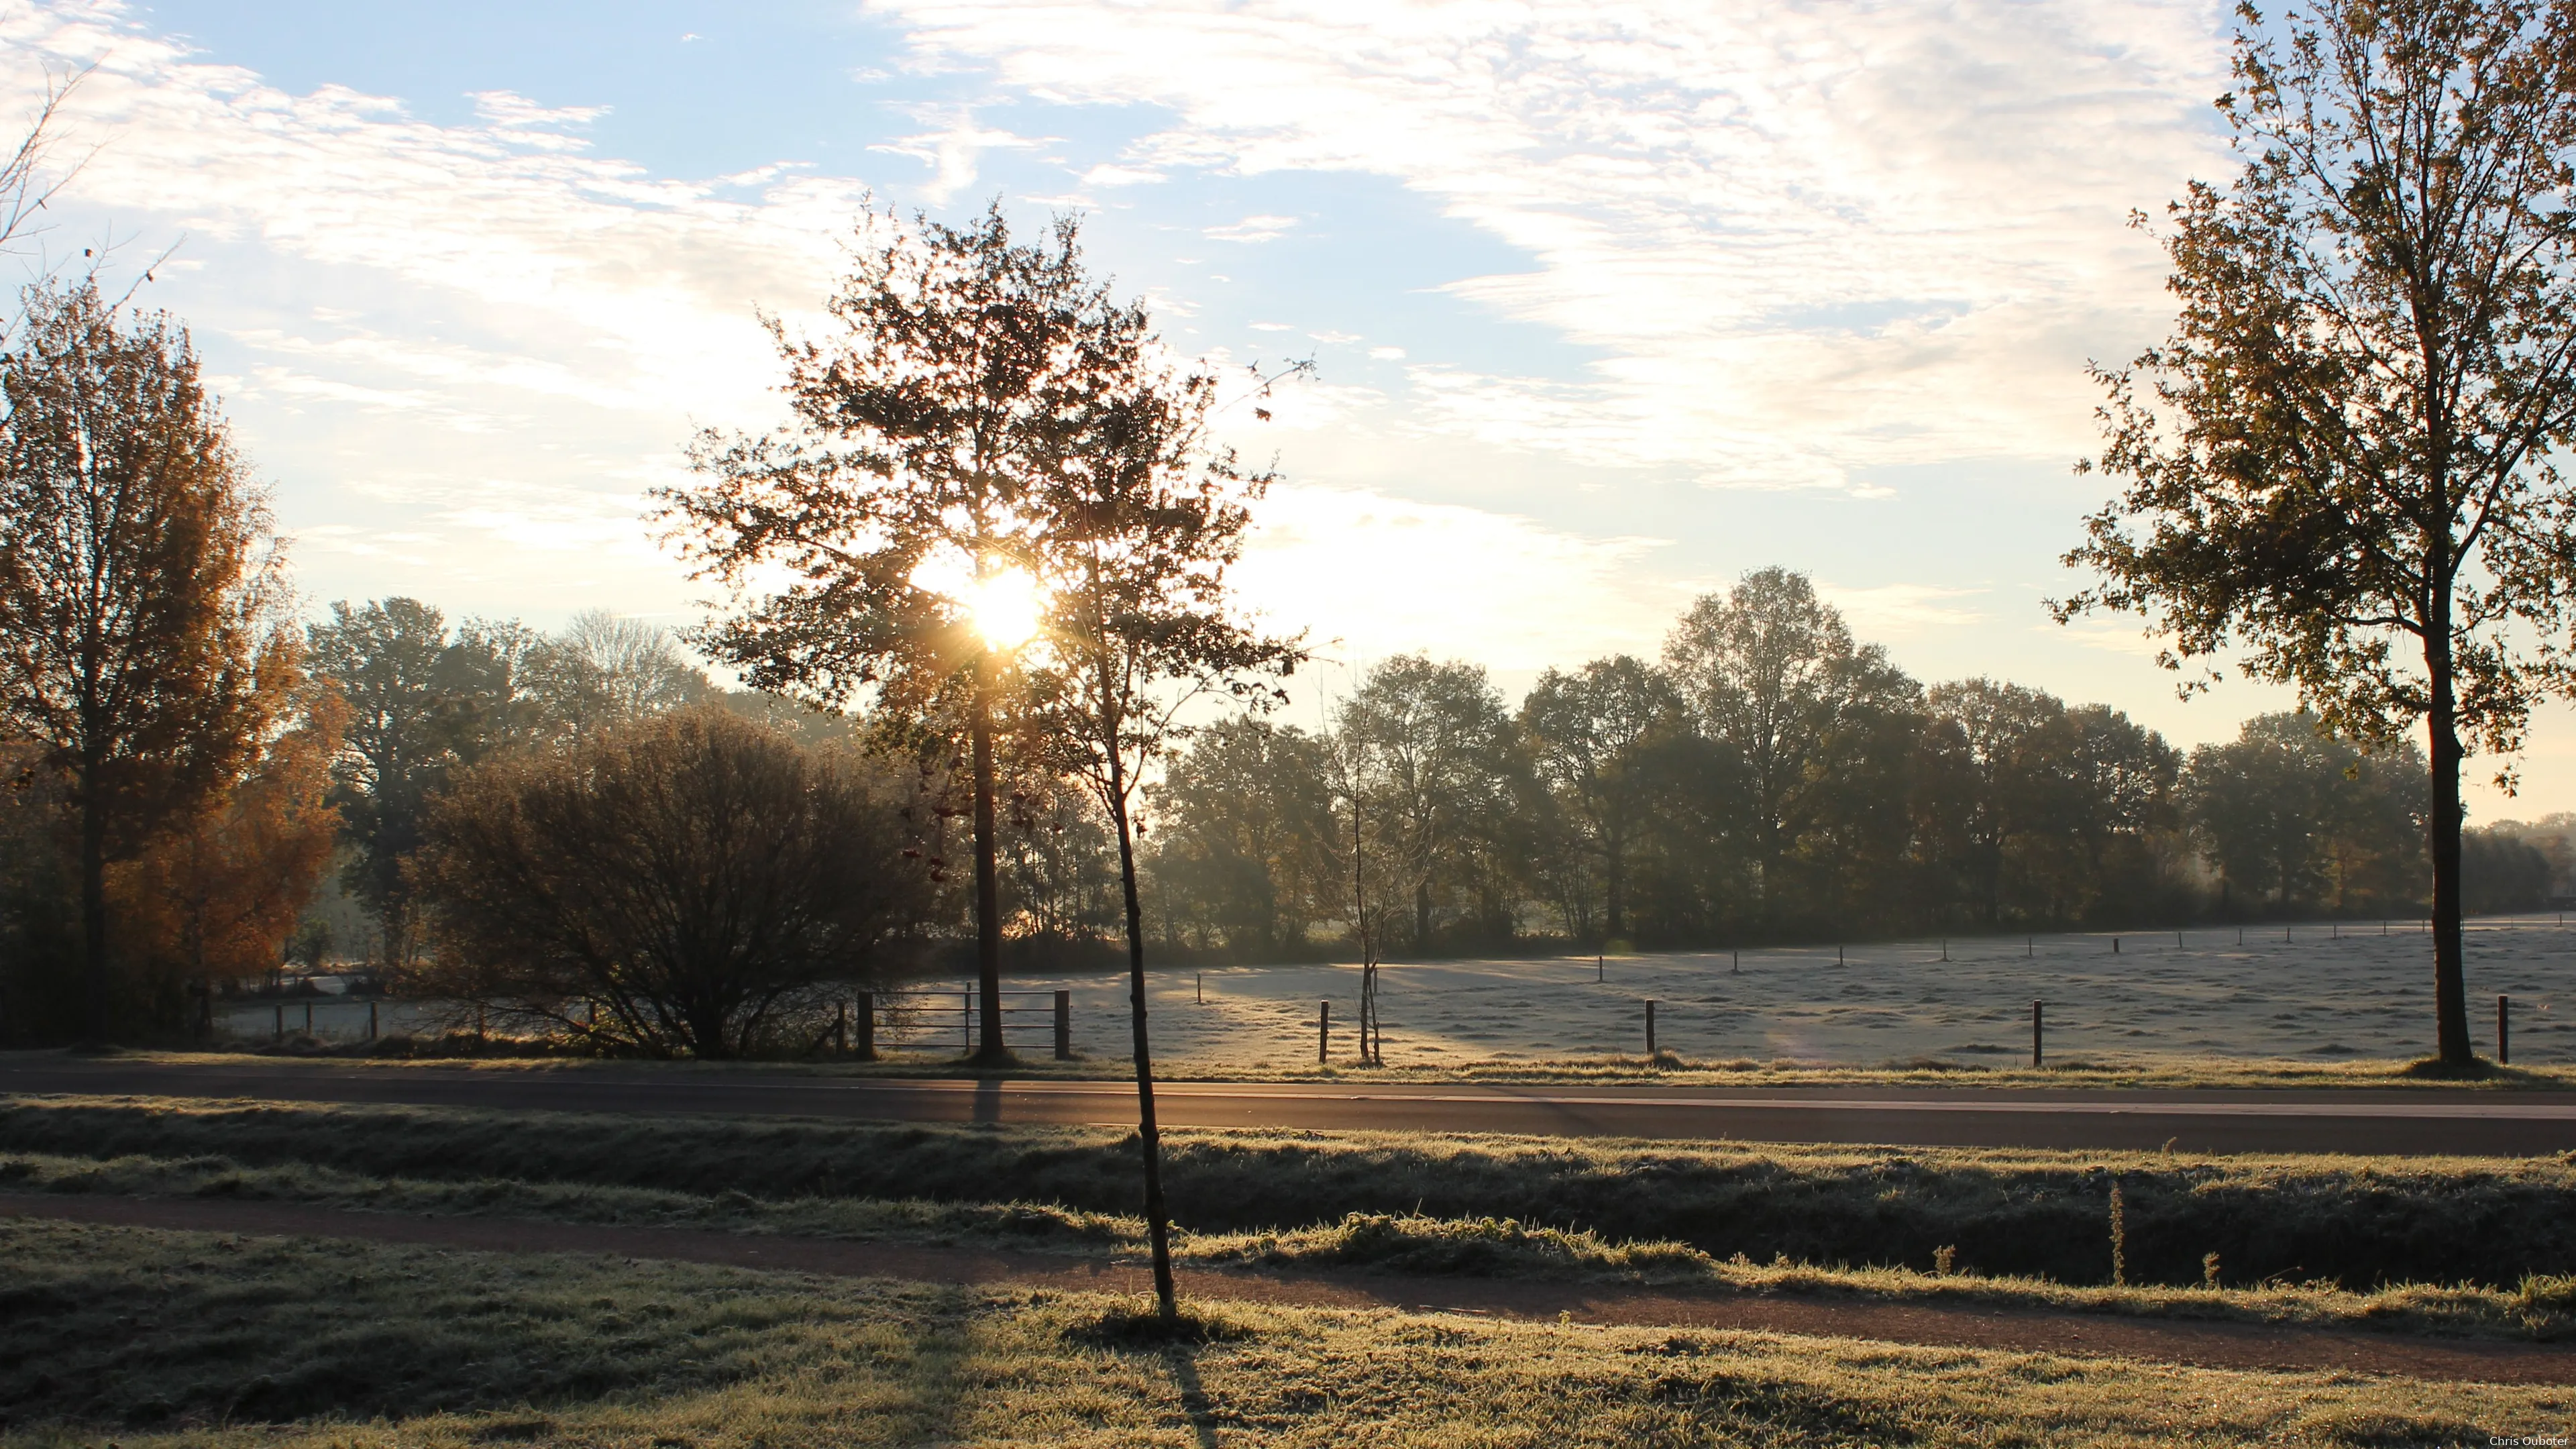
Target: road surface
[2390, 1122]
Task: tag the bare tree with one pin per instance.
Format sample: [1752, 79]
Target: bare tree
[604, 669]
[29, 179]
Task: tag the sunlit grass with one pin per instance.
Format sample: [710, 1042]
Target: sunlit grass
[161, 1338]
[2542, 1307]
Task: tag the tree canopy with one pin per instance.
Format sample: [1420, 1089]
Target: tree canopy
[2341, 463]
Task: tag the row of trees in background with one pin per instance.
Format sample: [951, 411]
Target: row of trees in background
[1771, 779]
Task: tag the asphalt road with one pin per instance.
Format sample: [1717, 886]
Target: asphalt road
[2384, 1122]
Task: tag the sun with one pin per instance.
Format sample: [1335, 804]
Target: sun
[1005, 608]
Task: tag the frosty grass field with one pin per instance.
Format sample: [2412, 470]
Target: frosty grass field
[2332, 991]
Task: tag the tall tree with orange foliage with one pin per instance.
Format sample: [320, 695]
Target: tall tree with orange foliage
[140, 587]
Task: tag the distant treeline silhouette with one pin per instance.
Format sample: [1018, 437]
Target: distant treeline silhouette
[1772, 779]
[1768, 779]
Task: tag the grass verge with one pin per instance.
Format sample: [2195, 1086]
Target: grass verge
[2134, 1070]
[2537, 1308]
[2358, 1222]
[164, 1338]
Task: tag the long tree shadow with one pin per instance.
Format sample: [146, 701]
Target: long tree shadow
[939, 1370]
[1195, 1401]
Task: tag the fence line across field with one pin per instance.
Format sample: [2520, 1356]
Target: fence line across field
[1703, 1004]
[870, 1015]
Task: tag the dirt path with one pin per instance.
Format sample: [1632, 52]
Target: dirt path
[2214, 1345]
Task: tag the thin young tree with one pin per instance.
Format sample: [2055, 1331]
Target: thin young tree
[140, 585]
[1139, 520]
[2342, 462]
[1355, 769]
[896, 500]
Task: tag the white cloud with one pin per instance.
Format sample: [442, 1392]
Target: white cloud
[1899, 610]
[1805, 240]
[512, 111]
[1252, 229]
[953, 148]
[1106, 175]
[395, 305]
[1386, 354]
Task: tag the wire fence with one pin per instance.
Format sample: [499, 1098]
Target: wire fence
[2322, 989]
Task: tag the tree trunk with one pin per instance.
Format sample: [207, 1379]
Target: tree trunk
[992, 1050]
[2442, 839]
[1422, 917]
[1149, 1140]
[1615, 885]
[93, 868]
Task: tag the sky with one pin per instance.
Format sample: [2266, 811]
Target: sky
[1608, 303]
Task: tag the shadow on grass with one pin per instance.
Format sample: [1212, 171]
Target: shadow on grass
[2475, 1069]
[145, 1329]
[1140, 1328]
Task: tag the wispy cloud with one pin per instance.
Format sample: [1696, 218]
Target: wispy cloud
[1880, 611]
[514, 112]
[1805, 240]
[954, 146]
[1252, 229]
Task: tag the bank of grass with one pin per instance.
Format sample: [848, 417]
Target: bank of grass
[2542, 1308]
[165, 1338]
[2161, 1071]
[2353, 1223]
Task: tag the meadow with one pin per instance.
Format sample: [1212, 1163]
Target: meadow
[2317, 992]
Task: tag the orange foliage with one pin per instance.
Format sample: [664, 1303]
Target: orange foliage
[217, 892]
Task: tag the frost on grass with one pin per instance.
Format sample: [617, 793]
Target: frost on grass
[165, 1339]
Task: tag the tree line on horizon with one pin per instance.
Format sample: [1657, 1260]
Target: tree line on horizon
[1768, 779]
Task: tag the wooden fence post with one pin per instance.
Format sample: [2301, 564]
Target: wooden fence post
[281, 1021]
[1650, 1029]
[866, 1015]
[1064, 1026]
[1323, 1031]
[2038, 1053]
[2504, 1030]
[371, 1018]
